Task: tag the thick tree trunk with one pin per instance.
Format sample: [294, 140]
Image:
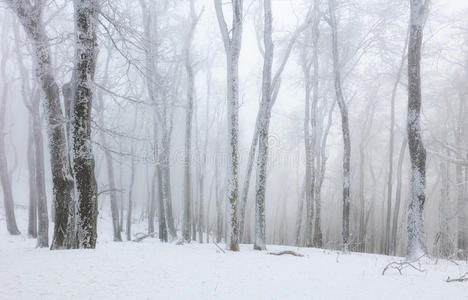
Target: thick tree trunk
[86, 14]
[416, 244]
[63, 184]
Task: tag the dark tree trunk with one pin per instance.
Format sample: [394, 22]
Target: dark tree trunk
[86, 13]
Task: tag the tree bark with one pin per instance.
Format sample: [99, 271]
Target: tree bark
[344, 125]
[86, 14]
[63, 184]
[416, 245]
[232, 46]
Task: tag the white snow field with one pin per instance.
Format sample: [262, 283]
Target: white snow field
[153, 270]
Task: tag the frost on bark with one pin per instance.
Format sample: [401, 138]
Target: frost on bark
[344, 124]
[63, 185]
[232, 46]
[265, 106]
[416, 244]
[83, 158]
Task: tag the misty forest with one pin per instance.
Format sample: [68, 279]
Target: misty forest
[227, 149]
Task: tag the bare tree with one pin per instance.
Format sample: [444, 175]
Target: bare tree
[30, 17]
[344, 123]
[187, 219]
[4, 173]
[232, 46]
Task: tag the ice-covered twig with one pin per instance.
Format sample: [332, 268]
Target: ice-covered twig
[462, 278]
[142, 237]
[400, 266]
[286, 252]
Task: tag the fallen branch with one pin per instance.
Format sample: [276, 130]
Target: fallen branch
[219, 247]
[286, 252]
[143, 236]
[462, 278]
[400, 266]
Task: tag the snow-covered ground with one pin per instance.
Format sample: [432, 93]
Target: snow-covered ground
[152, 270]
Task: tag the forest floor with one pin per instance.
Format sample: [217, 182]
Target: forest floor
[154, 270]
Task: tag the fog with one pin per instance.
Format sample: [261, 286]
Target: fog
[141, 92]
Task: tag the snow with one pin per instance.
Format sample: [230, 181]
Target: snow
[149, 270]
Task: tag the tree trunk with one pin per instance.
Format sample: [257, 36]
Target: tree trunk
[4, 174]
[43, 218]
[232, 46]
[416, 244]
[63, 184]
[388, 245]
[32, 208]
[344, 125]
[187, 215]
[86, 14]
[265, 111]
[397, 198]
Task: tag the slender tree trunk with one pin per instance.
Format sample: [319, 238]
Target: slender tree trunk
[8, 203]
[116, 225]
[344, 124]
[416, 244]
[232, 46]
[43, 218]
[388, 245]
[187, 216]
[32, 208]
[265, 106]
[128, 230]
[397, 198]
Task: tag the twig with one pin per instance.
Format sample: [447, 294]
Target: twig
[139, 239]
[400, 266]
[286, 252]
[462, 278]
